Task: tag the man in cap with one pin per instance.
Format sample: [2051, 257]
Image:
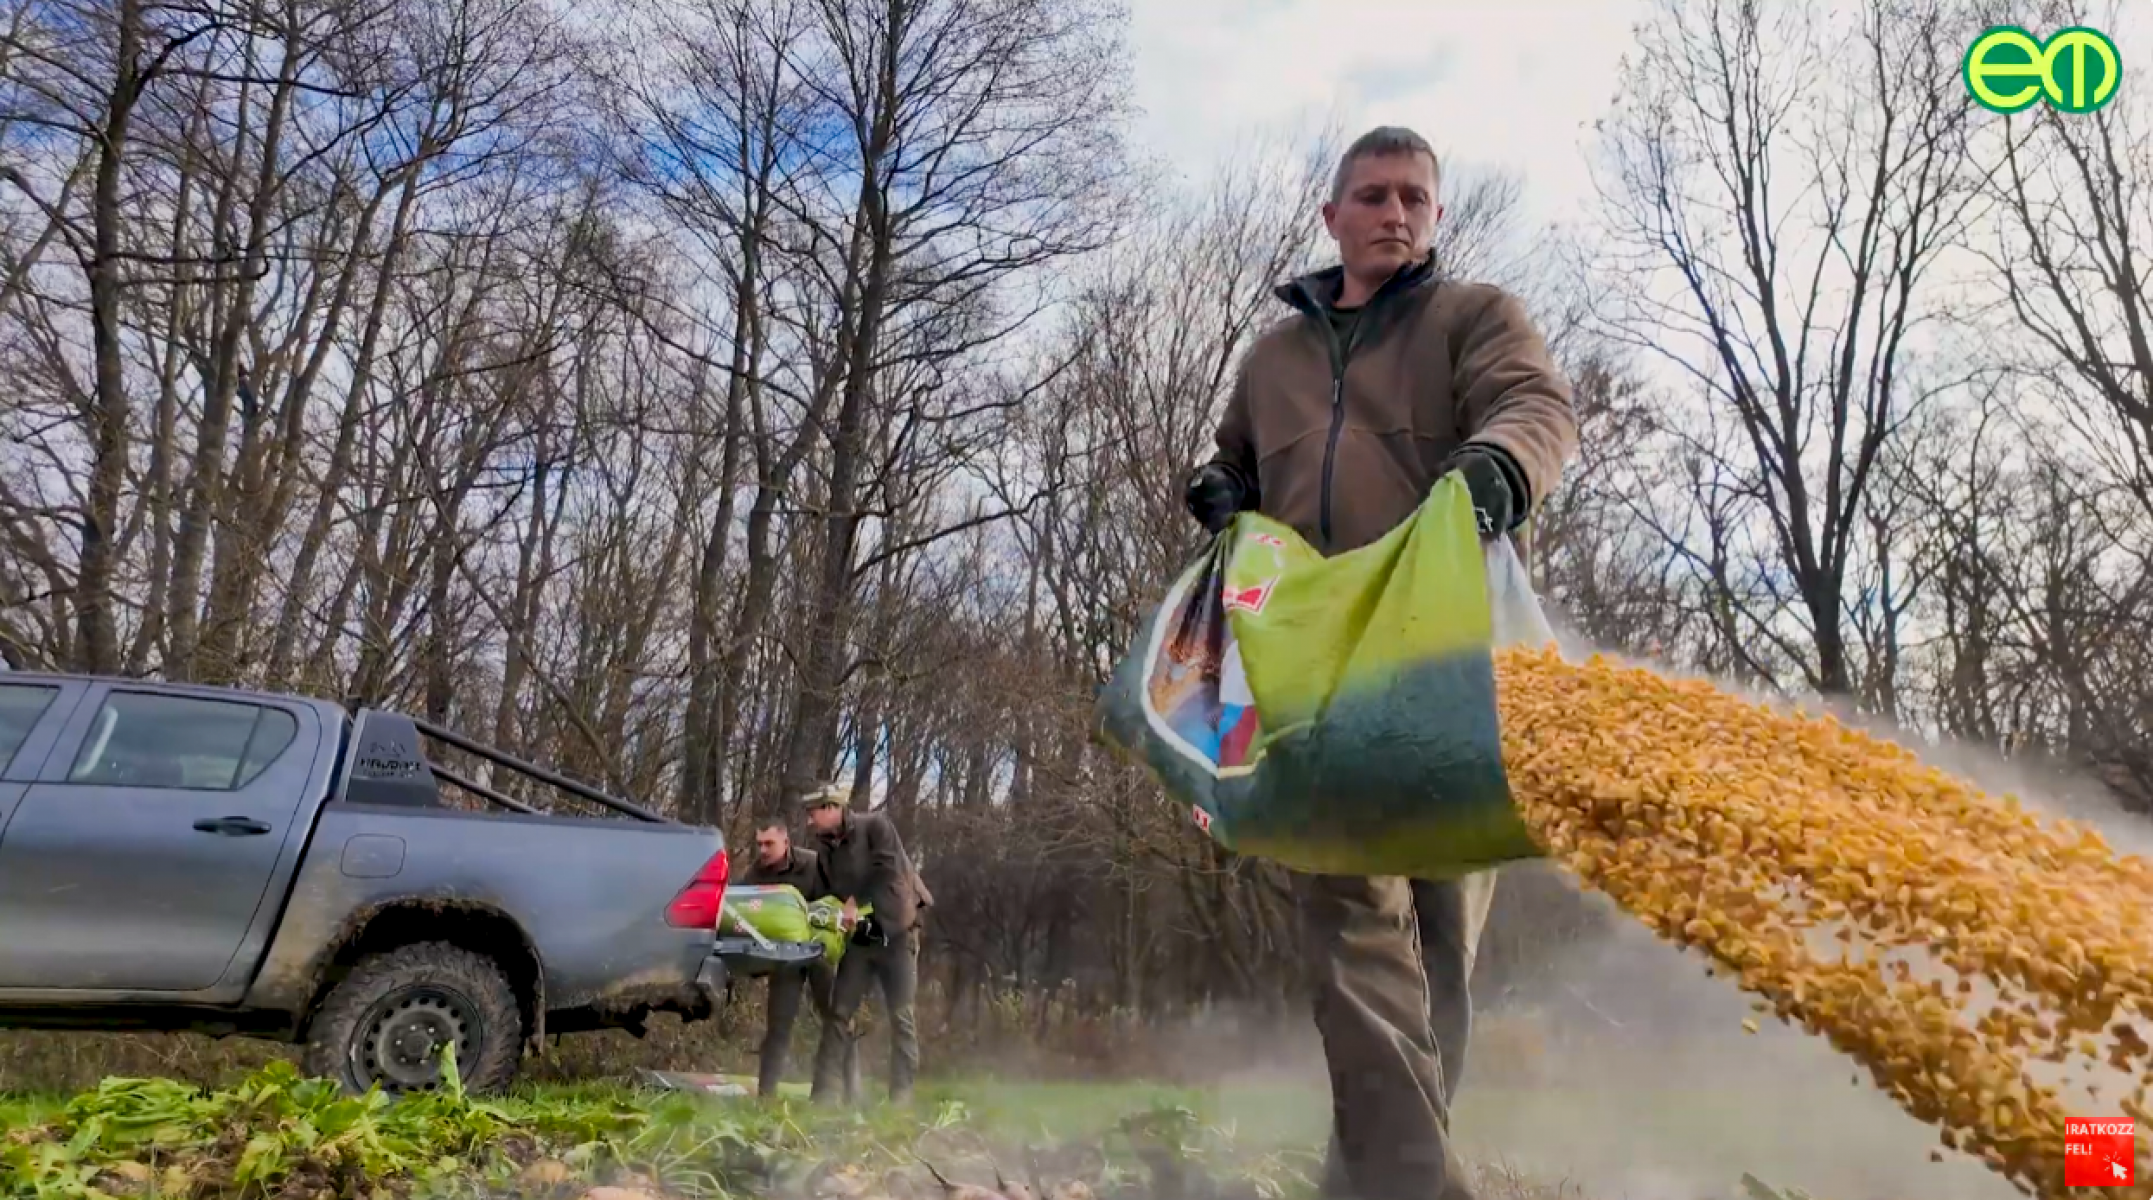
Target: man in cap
[777, 861]
[864, 863]
[1387, 378]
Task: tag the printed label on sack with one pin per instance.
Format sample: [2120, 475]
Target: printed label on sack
[2099, 1151]
[1196, 695]
[1203, 819]
[1251, 595]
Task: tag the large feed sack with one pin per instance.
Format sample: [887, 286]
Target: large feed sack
[780, 914]
[1377, 751]
[776, 911]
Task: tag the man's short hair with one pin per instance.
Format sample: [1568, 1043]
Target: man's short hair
[1380, 142]
[778, 823]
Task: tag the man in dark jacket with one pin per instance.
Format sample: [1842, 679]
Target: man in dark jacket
[863, 862]
[1387, 379]
[778, 861]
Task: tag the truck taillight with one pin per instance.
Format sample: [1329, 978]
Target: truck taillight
[697, 905]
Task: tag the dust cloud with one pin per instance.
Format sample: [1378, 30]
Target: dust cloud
[1624, 1069]
[1612, 1068]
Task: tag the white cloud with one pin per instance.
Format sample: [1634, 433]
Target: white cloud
[1495, 83]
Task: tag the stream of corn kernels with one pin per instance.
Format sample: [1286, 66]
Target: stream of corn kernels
[1984, 964]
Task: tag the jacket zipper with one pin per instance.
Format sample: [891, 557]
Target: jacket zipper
[1339, 357]
[1338, 410]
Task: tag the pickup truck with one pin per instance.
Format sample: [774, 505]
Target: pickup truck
[243, 863]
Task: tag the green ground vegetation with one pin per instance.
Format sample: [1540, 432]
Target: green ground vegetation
[276, 1134]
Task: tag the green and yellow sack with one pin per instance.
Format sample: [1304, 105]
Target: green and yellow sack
[825, 916]
[779, 913]
[775, 910]
[1336, 715]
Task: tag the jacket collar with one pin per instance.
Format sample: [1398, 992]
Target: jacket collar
[1317, 292]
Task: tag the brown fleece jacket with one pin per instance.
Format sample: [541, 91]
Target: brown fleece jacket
[1342, 440]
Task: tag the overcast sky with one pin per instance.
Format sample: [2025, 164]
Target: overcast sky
[1459, 71]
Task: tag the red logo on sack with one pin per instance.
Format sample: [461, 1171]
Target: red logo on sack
[1250, 598]
[2099, 1151]
[1203, 819]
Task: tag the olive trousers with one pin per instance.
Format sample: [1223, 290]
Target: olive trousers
[1390, 961]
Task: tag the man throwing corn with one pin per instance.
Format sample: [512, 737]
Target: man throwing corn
[1343, 416]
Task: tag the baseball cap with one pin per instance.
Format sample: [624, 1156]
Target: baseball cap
[828, 794]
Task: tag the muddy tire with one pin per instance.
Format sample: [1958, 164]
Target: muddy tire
[386, 1022]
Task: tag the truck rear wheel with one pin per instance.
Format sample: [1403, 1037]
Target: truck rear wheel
[388, 1020]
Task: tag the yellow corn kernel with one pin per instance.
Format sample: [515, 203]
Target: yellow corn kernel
[1945, 939]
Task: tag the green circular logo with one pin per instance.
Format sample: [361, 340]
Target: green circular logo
[2008, 69]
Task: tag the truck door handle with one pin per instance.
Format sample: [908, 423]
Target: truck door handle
[232, 826]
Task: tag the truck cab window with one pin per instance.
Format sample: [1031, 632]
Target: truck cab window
[145, 740]
[20, 707]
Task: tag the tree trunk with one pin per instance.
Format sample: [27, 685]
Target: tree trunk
[96, 640]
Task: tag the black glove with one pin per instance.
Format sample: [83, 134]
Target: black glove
[1215, 492]
[1496, 483]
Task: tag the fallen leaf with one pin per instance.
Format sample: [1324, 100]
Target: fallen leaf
[545, 1173]
[125, 1179]
[850, 1180]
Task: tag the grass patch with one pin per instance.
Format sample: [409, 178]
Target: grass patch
[277, 1134]
[274, 1135]
[1266, 1116]
[19, 1112]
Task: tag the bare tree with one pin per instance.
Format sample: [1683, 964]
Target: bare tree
[1779, 195]
[981, 142]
